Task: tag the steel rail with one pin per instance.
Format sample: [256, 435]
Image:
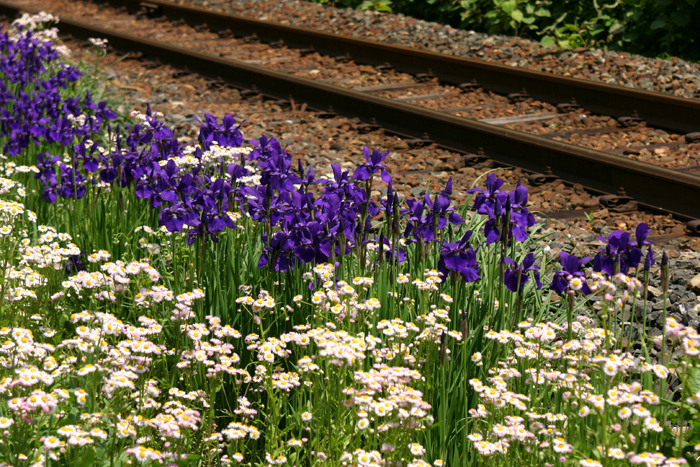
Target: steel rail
[657, 187]
[659, 110]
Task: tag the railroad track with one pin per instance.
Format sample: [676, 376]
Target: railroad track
[421, 92]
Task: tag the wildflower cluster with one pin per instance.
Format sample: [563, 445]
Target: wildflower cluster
[622, 417]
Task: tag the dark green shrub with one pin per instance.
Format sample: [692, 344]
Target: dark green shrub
[649, 27]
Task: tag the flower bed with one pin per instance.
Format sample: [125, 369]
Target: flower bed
[217, 303]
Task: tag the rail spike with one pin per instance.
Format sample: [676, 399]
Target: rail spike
[249, 93]
[474, 159]
[420, 142]
[284, 104]
[425, 77]
[370, 127]
[538, 179]
[473, 86]
[568, 106]
[619, 202]
[693, 137]
[386, 66]
[328, 114]
[632, 121]
[343, 58]
[277, 44]
[307, 51]
[150, 10]
[521, 96]
[693, 226]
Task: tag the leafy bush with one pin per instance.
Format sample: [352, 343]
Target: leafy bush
[648, 27]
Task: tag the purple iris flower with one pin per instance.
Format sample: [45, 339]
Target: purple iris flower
[520, 217]
[621, 253]
[516, 275]
[262, 202]
[641, 233]
[372, 164]
[43, 115]
[649, 259]
[276, 170]
[46, 164]
[488, 196]
[441, 210]
[75, 264]
[570, 269]
[340, 180]
[495, 211]
[307, 178]
[225, 134]
[460, 258]
[72, 182]
[312, 243]
[507, 211]
[417, 225]
[425, 219]
[276, 255]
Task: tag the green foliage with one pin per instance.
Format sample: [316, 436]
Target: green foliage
[502, 16]
[376, 5]
[648, 27]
